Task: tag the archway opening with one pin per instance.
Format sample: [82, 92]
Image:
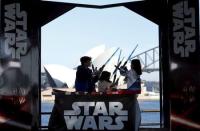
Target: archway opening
[85, 31]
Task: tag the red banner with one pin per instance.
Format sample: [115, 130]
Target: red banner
[19, 68]
[184, 65]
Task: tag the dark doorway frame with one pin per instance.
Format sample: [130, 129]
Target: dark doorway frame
[153, 10]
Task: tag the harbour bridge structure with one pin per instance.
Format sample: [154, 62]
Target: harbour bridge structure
[149, 60]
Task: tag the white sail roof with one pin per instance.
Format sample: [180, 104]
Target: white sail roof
[61, 74]
[96, 51]
[101, 59]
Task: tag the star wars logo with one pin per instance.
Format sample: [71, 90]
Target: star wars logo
[15, 30]
[183, 29]
[96, 116]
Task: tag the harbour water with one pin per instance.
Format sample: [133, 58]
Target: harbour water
[150, 117]
[147, 117]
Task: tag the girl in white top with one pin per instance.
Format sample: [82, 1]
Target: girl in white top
[134, 83]
[133, 75]
[104, 83]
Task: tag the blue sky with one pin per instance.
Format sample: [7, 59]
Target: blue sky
[67, 38]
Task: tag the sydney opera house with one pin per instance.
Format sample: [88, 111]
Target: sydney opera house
[63, 76]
